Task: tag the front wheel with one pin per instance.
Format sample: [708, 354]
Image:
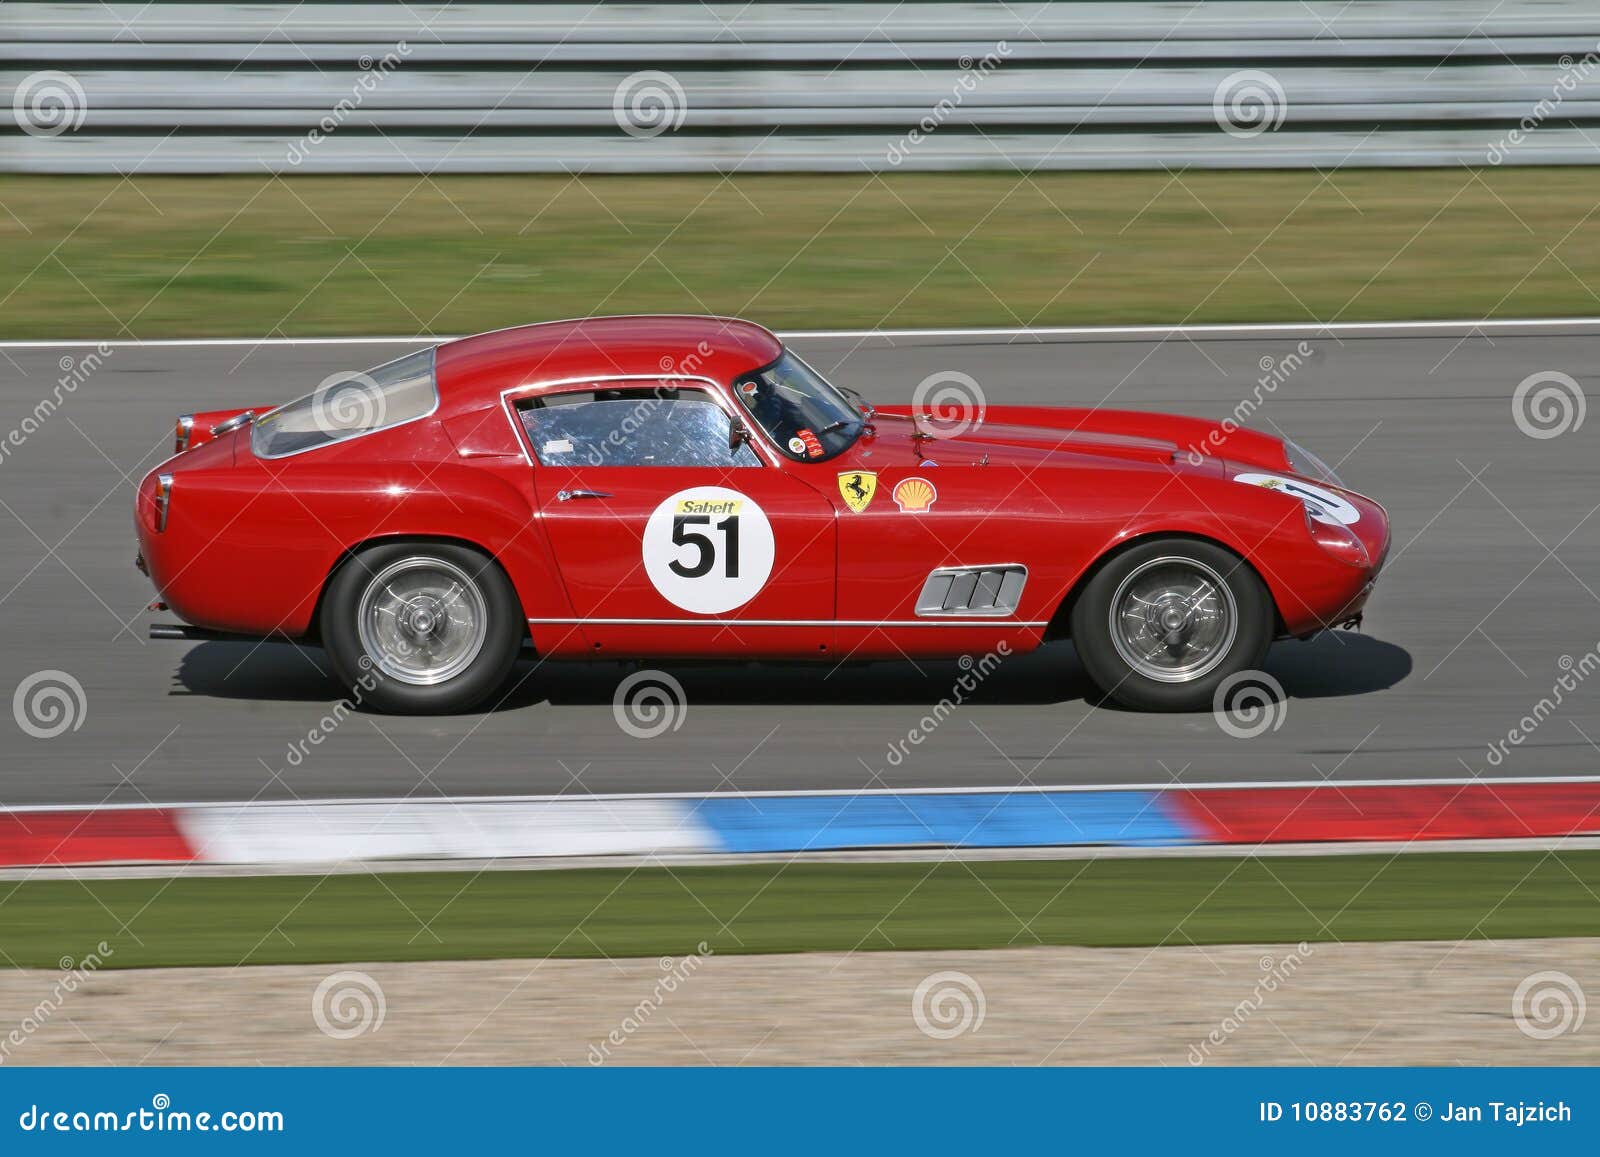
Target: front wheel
[1161, 626]
[421, 628]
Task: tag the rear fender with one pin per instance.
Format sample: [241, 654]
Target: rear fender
[198, 428]
[475, 506]
[244, 552]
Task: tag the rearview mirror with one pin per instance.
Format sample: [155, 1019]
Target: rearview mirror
[738, 435]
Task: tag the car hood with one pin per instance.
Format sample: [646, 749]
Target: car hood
[1033, 435]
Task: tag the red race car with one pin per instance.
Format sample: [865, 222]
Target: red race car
[633, 487]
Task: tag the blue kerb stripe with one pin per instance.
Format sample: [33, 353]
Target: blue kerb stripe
[962, 820]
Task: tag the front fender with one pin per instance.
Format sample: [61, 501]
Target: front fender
[1309, 587]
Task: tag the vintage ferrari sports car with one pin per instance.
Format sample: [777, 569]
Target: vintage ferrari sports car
[659, 487]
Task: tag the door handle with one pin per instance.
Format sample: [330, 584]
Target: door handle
[569, 495]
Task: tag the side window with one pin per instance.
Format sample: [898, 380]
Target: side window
[661, 426]
[347, 406]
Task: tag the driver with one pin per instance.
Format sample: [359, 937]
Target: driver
[780, 417]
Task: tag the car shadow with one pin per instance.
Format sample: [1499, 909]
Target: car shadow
[1337, 663]
[1329, 665]
[246, 670]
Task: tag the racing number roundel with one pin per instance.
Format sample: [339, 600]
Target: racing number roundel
[1324, 504]
[708, 549]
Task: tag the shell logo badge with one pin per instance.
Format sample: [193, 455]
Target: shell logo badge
[914, 495]
[857, 488]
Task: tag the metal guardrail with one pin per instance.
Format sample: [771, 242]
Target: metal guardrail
[682, 87]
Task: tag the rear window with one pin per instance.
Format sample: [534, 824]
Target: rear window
[346, 405]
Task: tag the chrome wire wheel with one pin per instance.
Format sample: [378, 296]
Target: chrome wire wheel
[1173, 619]
[422, 620]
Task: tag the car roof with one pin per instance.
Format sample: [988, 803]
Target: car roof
[473, 371]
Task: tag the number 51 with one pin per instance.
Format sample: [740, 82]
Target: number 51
[683, 535]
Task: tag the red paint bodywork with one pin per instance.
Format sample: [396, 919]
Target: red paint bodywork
[250, 543]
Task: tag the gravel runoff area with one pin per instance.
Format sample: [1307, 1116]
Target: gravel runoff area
[1509, 1002]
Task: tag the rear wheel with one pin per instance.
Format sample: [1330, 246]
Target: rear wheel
[1162, 625]
[421, 628]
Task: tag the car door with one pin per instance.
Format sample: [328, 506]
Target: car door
[669, 539]
[941, 560]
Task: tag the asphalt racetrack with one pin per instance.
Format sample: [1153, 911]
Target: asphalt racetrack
[1491, 589]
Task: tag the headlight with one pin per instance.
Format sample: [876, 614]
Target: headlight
[154, 501]
[163, 501]
[1338, 540]
[1306, 464]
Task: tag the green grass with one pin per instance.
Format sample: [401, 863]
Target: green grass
[257, 255]
[803, 907]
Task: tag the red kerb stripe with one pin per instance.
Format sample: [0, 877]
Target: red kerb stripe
[90, 837]
[1449, 811]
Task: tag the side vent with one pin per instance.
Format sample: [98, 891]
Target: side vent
[973, 590]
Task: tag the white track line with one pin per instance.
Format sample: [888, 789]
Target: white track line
[1341, 785]
[219, 342]
[1286, 329]
[734, 859]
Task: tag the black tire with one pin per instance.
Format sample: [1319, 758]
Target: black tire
[380, 680]
[1121, 680]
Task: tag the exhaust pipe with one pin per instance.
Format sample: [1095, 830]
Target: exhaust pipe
[200, 634]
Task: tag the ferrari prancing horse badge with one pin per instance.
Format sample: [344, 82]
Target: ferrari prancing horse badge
[857, 488]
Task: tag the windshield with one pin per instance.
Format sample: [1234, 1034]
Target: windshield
[345, 405]
[808, 419]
